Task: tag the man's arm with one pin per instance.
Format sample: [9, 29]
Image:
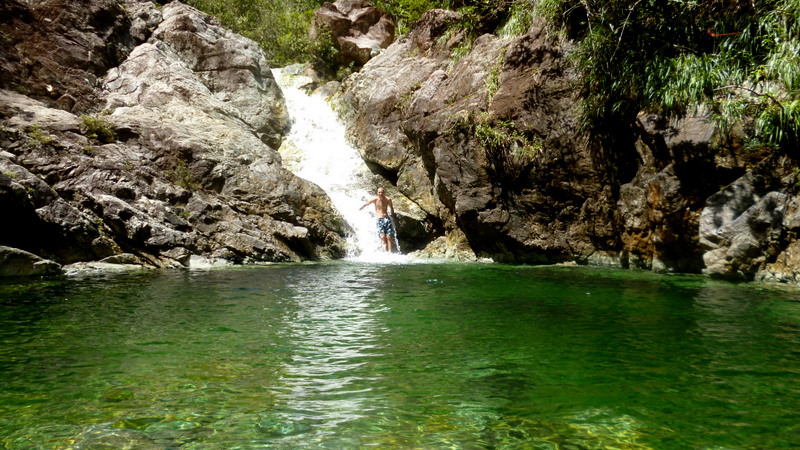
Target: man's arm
[391, 207]
[368, 203]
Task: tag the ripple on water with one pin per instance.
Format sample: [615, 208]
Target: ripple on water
[349, 355]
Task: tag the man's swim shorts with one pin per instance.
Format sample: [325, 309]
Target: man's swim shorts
[385, 226]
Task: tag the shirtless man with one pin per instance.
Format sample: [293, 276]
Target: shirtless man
[383, 208]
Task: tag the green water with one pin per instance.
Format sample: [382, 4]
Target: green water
[420, 356]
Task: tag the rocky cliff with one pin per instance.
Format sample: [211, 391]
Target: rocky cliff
[484, 136]
[145, 134]
[132, 133]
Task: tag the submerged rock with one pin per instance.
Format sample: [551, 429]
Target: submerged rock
[104, 436]
[100, 268]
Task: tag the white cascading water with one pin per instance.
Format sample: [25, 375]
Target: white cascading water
[316, 150]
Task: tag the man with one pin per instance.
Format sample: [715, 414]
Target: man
[383, 208]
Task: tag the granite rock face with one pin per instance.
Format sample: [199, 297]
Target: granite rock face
[488, 143]
[169, 153]
[421, 119]
[748, 230]
[58, 50]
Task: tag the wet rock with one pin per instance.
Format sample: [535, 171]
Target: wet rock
[88, 269]
[412, 234]
[201, 262]
[123, 258]
[19, 263]
[453, 245]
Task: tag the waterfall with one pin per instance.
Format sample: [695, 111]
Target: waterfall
[316, 150]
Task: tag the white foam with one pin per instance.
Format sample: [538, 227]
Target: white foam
[203, 263]
[316, 150]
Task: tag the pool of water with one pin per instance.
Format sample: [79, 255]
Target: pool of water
[399, 356]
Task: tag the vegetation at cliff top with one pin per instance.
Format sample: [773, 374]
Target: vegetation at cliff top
[739, 60]
[281, 26]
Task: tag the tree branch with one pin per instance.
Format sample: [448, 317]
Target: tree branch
[754, 92]
[624, 24]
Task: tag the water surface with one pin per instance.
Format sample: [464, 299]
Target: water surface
[399, 356]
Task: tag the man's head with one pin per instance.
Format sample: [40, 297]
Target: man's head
[380, 192]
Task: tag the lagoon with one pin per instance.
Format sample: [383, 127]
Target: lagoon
[354, 355]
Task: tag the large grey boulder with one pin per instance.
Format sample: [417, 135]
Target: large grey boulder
[199, 76]
[178, 161]
[741, 226]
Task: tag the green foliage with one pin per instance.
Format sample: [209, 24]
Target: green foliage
[182, 176]
[38, 137]
[461, 50]
[279, 27]
[519, 19]
[183, 213]
[345, 71]
[406, 12]
[509, 151]
[493, 82]
[740, 60]
[98, 129]
[493, 78]
[485, 16]
[509, 17]
[325, 56]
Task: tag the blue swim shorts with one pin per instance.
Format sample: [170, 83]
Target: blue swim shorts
[385, 226]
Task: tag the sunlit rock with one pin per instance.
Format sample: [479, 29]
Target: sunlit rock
[357, 29]
[177, 158]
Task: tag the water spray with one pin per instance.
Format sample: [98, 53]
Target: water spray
[316, 150]
[394, 235]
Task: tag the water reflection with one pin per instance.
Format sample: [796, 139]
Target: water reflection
[351, 356]
[334, 333]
